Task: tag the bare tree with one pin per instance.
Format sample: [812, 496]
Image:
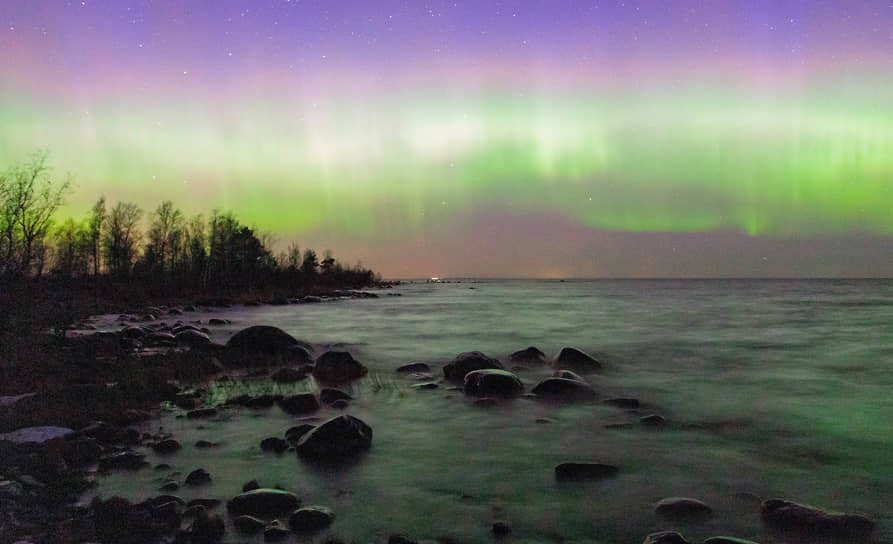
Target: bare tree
[94, 229]
[166, 234]
[122, 237]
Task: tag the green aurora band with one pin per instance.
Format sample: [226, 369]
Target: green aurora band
[683, 159]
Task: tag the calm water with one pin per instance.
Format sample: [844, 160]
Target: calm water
[773, 388]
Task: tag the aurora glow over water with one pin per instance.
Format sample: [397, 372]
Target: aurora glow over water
[385, 129]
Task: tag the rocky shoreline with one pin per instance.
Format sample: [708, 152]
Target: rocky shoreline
[61, 437]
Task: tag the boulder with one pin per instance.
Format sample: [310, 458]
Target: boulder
[301, 403]
[330, 396]
[276, 532]
[263, 502]
[310, 518]
[250, 486]
[293, 434]
[653, 420]
[129, 460]
[248, 525]
[273, 443]
[264, 339]
[576, 360]
[198, 477]
[339, 437]
[206, 529]
[288, 375]
[563, 389]
[807, 522]
[683, 509]
[568, 375]
[665, 537]
[338, 367]
[191, 337]
[501, 529]
[568, 472]
[413, 368]
[530, 355]
[492, 383]
[464, 363]
[166, 446]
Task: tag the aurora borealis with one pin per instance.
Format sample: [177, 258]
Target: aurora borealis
[480, 138]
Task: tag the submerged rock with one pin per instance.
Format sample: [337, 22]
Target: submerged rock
[653, 420]
[665, 537]
[339, 437]
[338, 367]
[311, 518]
[464, 363]
[808, 522]
[682, 508]
[201, 413]
[530, 355]
[413, 368]
[299, 404]
[491, 382]
[263, 502]
[623, 402]
[577, 360]
[563, 389]
[567, 472]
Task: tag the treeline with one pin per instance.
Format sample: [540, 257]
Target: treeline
[215, 253]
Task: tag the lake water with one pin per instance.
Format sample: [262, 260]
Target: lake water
[771, 389]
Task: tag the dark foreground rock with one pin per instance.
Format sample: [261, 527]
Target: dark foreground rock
[329, 396]
[273, 443]
[266, 340]
[338, 367]
[301, 403]
[682, 508]
[340, 437]
[665, 537]
[573, 472]
[530, 355]
[577, 360]
[311, 518]
[206, 528]
[807, 522]
[564, 390]
[262, 502]
[248, 525]
[492, 383]
[464, 363]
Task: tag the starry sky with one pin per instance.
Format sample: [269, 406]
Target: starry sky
[548, 138]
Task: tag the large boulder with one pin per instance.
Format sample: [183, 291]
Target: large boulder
[464, 363]
[492, 383]
[266, 340]
[310, 518]
[340, 437]
[577, 360]
[262, 502]
[807, 522]
[529, 355]
[193, 338]
[338, 367]
[564, 390]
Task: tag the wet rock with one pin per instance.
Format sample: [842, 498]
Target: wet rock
[133, 332]
[299, 404]
[206, 529]
[572, 472]
[201, 413]
[194, 510]
[623, 402]
[118, 520]
[338, 367]
[191, 337]
[665, 537]
[807, 522]
[682, 509]
[339, 437]
[161, 339]
[250, 486]
[492, 383]
[727, 540]
[425, 385]
[329, 396]
[169, 486]
[264, 339]
[288, 375]
[198, 477]
[217, 321]
[530, 355]
[294, 434]
[166, 446]
[275, 533]
[262, 502]
[311, 518]
[464, 363]
[576, 360]
[204, 444]
[128, 460]
[168, 514]
[653, 420]
[413, 368]
[501, 529]
[569, 375]
[565, 390]
[273, 443]
[248, 525]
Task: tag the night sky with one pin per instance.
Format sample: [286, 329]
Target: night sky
[530, 138]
